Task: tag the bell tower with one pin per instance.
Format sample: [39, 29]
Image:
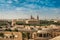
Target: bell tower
[32, 17]
[37, 17]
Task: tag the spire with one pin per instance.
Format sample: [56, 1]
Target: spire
[32, 17]
[37, 17]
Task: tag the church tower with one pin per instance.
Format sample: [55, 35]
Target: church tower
[32, 17]
[37, 17]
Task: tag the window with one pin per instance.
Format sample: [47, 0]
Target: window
[39, 35]
[45, 35]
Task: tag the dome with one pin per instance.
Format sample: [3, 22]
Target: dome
[47, 29]
[44, 30]
[41, 31]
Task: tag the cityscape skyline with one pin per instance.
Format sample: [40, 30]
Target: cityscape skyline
[45, 9]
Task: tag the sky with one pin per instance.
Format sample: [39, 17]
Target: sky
[14, 9]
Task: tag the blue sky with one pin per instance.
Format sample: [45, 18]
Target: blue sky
[46, 9]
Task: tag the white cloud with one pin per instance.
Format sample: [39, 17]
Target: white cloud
[9, 1]
[22, 12]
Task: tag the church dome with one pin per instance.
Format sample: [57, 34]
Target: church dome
[44, 30]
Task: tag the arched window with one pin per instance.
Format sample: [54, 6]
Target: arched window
[39, 35]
